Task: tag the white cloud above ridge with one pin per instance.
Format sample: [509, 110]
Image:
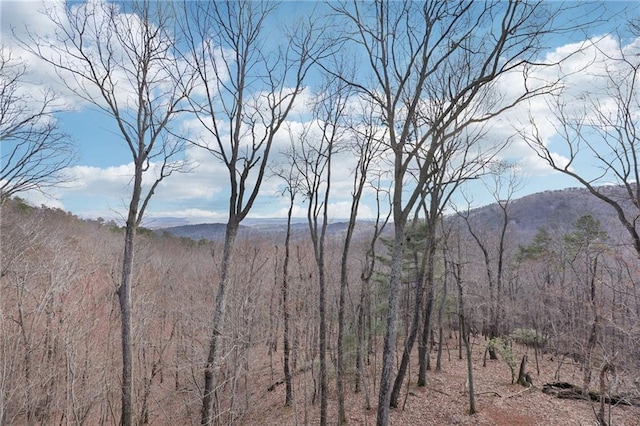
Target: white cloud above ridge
[209, 178]
[21, 27]
[192, 215]
[586, 72]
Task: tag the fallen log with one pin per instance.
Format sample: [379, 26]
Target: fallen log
[279, 382]
[273, 386]
[565, 390]
[489, 392]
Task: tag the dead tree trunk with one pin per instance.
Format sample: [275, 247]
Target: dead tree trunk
[523, 376]
[465, 339]
[288, 399]
[409, 342]
[603, 373]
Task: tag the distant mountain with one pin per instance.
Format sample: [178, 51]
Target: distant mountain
[207, 231]
[556, 211]
[272, 227]
[164, 222]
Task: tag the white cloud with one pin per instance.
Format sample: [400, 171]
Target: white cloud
[585, 76]
[191, 215]
[202, 182]
[190, 195]
[534, 166]
[20, 16]
[42, 27]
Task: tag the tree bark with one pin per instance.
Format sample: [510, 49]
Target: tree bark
[218, 325]
[464, 332]
[288, 399]
[411, 338]
[124, 298]
[423, 347]
[388, 352]
[440, 327]
[523, 377]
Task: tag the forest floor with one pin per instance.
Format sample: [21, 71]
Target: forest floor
[445, 399]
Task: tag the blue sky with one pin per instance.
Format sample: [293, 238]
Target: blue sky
[102, 173]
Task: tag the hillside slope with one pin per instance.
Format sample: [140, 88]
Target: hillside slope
[556, 211]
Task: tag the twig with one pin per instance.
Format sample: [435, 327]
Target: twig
[439, 391]
[493, 392]
[521, 392]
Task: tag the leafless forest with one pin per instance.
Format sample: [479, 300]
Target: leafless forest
[409, 108]
[573, 306]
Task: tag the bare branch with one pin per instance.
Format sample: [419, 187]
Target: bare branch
[35, 152]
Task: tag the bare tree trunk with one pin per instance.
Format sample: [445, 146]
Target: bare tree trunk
[467, 347]
[26, 341]
[440, 327]
[523, 377]
[388, 351]
[344, 281]
[464, 333]
[360, 337]
[218, 325]
[602, 421]
[124, 297]
[423, 347]
[410, 340]
[323, 345]
[593, 333]
[364, 317]
[342, 418]
[288, 399]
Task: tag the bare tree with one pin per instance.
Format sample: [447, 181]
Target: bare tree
[464, 334]
[244, 97]
[405, 47]
[293, 187]
[364, 322]
[122, 59]
[366, 147]
[35, 152]
[585, 247]
[600, 127]
[313, 158]
[286, 315]
[462, 155]
[502, 188]
[458, 159]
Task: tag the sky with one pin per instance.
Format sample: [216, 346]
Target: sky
[102, 174]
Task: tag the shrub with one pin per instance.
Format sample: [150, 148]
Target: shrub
[506, 353]
[529, 337]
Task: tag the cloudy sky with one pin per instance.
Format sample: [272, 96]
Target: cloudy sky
[101, 178]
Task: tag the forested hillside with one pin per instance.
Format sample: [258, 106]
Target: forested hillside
[555, 211]
[567, 298]
[369, 130]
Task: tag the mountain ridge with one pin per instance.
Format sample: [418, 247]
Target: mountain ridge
[555, 210]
